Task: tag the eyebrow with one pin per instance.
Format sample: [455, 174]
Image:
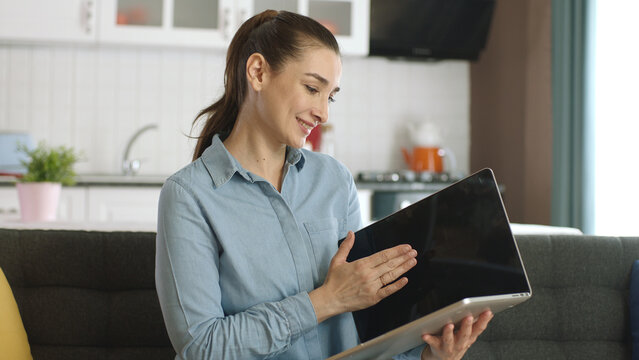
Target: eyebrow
[321, 79]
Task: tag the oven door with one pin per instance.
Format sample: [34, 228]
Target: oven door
[384, 203]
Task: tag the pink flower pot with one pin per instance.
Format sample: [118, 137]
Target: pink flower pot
[38, 200]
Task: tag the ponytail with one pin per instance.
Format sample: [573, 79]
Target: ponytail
[278, 36]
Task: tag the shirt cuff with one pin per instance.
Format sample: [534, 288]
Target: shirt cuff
[299, 313]
[415, 353]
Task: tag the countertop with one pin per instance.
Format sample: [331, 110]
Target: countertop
[402, 186]
[105, 180]
[158, 180]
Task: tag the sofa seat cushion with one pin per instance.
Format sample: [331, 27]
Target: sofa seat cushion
[544, 349]
[13, 338]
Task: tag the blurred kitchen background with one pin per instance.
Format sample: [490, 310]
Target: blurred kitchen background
[92, 73]
[95, 98]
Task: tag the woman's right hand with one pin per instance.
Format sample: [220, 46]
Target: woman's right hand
[362, 283]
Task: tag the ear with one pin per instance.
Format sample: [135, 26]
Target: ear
[256, 71]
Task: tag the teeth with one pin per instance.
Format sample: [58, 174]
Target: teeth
[306, 125]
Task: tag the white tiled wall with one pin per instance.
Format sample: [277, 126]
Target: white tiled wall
[94, 98]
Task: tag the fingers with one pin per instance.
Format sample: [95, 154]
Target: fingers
[456, 344]
[360, 284]
[394, 268]
[344, 248]
[469, 331]
[392, 288]
[448, 338]
[387, 266]
[441, 343]
[465, 330]
[481, 324]
[433, 341]
[386, 255]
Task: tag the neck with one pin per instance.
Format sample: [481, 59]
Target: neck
[254, 151]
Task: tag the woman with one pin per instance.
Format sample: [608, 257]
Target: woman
[247, 258]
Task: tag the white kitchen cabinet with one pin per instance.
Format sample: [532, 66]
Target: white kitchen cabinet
[123, 203]
[46, 20]
[71, 207]
[191, 23]
[212, 23]
[9, 205]
[93, 204]
[348, 20]
[365, 196]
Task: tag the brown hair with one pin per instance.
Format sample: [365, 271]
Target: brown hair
[279, 36]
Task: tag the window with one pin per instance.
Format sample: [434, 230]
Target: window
[616, 117]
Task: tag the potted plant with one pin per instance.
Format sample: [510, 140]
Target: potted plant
[48, 168]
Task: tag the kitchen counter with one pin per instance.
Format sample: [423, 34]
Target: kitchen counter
[158, 180]
[402, 186]
[424, 187]
[122, 180]
[105, 180]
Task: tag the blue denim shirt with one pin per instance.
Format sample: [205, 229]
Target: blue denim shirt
[236, 259]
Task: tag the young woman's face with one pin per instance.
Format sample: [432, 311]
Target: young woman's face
[296, 99]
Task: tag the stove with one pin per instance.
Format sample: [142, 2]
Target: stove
[404, 176]
[394, 190]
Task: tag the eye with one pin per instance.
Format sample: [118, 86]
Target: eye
[331, 99]
[311, 89]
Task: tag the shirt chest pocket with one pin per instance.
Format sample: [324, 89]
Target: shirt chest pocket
[323, 235]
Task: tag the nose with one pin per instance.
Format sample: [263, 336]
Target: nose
[320, 112]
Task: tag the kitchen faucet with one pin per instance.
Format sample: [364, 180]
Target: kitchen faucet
[131, 166]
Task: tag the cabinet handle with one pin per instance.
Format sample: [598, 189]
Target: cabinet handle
[225, 23]
[86, 15]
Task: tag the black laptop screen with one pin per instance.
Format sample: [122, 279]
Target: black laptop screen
[464, 249]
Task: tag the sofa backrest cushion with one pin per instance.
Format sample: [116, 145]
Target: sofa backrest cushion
[86, 294]
[579, 307]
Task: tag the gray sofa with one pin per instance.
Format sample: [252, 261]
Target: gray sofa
[86, 295]
[579, 309]
[90, 295]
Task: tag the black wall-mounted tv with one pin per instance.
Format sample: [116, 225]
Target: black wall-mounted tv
[429, 29]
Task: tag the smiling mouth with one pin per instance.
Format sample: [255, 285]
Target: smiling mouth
[306, 125]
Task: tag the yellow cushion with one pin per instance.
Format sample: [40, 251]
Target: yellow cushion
[13, 339]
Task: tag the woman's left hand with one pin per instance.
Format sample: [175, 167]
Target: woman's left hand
[453, 345]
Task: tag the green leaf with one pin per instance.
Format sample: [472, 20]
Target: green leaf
[49, 164]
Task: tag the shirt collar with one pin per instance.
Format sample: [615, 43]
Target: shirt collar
[295, 157]
[221, 165]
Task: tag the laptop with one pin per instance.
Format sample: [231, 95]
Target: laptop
[467, 263]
